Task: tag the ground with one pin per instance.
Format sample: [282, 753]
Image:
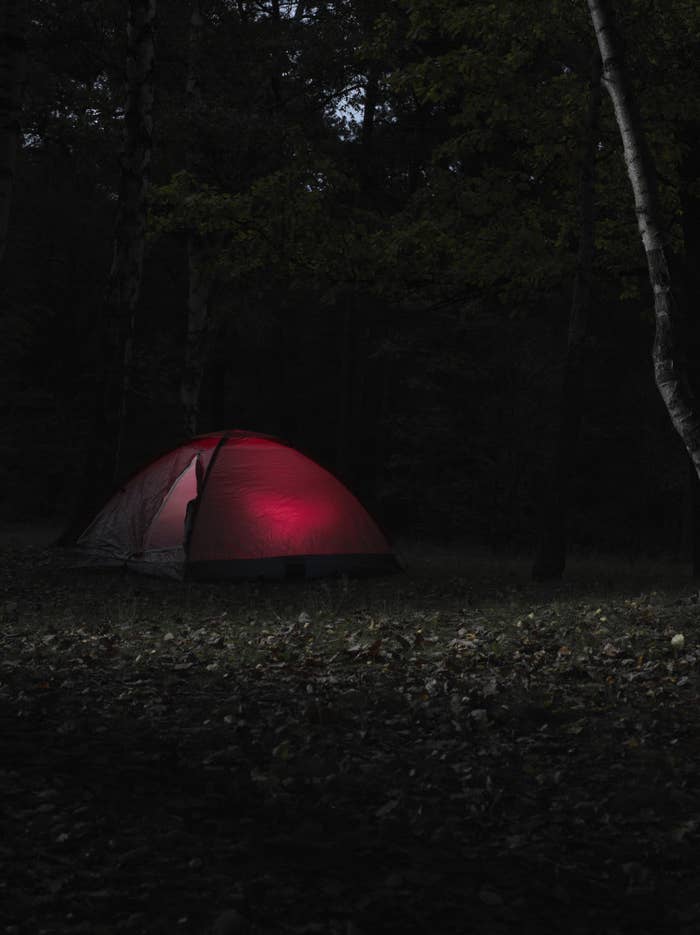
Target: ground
[448, 750]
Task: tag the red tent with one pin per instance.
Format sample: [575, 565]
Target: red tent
[236, 504]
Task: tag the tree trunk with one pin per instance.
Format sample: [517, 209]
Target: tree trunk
[550, 560]
[670, 368]
[345, 383]
[200, 277]
[13, 65]
[130, 237]
[199, 295]
[381, 430]
[124, 283]
[351, 366]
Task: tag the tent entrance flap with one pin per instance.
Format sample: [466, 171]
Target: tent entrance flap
[167, 529]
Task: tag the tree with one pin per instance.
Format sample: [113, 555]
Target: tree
[670, 369]
[385, 186]
[124, 281]
[550, 560]
[200, 278]
[13, 59]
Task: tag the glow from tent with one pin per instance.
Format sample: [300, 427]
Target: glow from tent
[291, 519]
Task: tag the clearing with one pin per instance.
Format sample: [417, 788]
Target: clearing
[449, 750]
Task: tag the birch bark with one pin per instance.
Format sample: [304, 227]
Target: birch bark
[550, 560]
[13, 64]
[670, 368]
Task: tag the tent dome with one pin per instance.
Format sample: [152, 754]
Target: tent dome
[236, 504]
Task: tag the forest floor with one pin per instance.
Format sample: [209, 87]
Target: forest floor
[449, 750]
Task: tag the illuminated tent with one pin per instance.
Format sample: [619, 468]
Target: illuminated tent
[235, 504]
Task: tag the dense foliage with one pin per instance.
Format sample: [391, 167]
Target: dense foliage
[385, 194]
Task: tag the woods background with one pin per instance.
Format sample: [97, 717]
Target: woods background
[364, 227]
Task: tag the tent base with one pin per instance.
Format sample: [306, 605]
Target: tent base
[296, 566]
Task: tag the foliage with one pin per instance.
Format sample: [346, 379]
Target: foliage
[331, 243]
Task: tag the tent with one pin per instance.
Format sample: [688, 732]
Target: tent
[236, 504]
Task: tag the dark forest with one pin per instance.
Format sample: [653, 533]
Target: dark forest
[383, 205]
[449, 250]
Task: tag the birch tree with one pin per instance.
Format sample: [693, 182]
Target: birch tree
[13, 58]
[670, 368]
